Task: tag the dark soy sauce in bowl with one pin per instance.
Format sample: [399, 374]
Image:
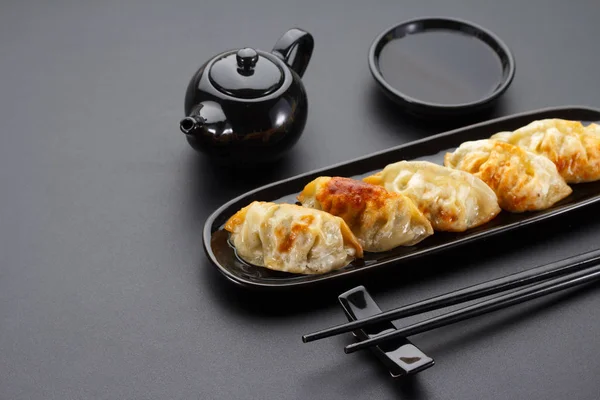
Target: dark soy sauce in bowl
[441, 66]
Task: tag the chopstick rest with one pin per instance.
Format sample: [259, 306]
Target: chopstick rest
[400, 356]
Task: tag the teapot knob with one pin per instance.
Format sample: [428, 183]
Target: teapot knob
[246, 58]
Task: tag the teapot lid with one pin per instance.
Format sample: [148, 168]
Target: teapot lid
[246, 74]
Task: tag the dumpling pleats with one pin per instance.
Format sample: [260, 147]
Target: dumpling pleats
[292, 238]
[380, 220]
[451, 200]
[522, 180]
[572, 147]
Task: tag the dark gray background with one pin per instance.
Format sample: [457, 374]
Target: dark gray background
[105, 291]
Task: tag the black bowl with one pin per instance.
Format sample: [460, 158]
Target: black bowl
[457, 60]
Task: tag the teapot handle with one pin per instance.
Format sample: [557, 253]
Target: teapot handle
[291, 39]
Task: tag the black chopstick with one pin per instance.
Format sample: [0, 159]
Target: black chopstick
[484, 307]
[512, 281]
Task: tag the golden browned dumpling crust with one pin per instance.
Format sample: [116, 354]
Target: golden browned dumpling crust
[292, 238]
[452, 200]
[573, 148]
[379, 219]
[522, 180]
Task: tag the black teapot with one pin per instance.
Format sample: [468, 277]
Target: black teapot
[249, 106]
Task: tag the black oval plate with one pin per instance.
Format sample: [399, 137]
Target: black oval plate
[433, 148]
[441, 66]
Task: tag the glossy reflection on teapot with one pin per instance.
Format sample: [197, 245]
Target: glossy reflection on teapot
[249, 106]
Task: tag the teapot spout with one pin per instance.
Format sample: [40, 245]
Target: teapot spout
[189, 124]
[207, 115]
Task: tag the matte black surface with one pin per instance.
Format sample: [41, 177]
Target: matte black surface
[105, 291]
[434, 67]
[220, 251]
